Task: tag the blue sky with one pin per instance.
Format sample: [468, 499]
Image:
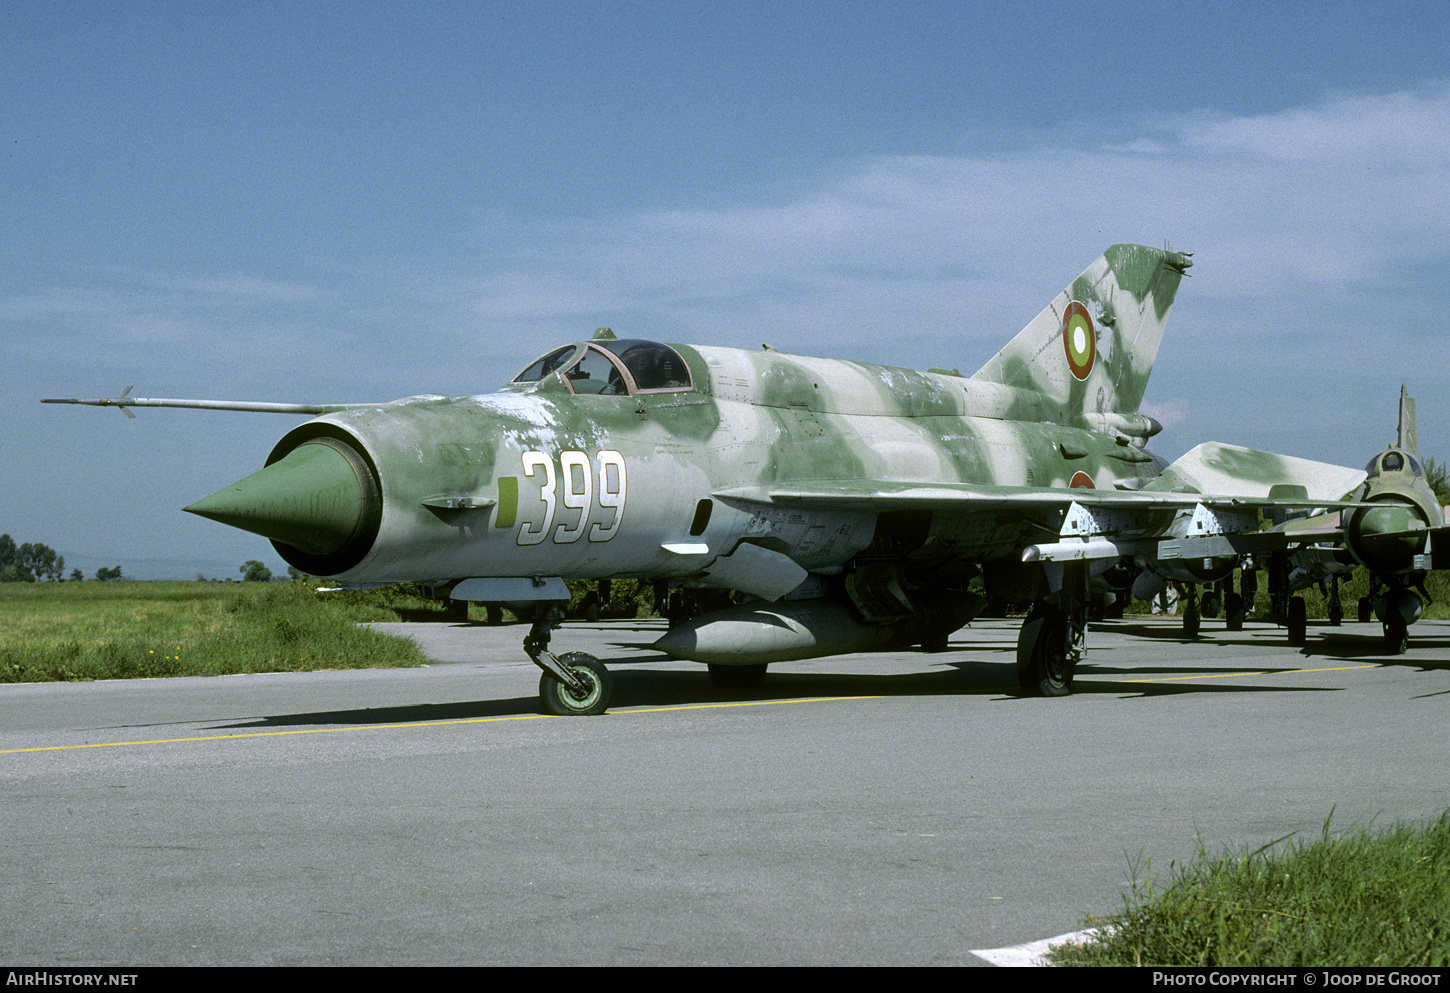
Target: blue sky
[321, 202]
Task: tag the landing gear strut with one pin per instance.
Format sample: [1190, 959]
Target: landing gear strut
[573, 685]
[1053, 638]
[1399, 607]
[1288, 609]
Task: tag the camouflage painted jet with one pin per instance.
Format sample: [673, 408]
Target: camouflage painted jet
[1398, 533]
[851, 504]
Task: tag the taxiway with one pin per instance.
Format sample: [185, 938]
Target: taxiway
[897, 809]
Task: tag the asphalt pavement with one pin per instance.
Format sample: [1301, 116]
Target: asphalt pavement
[895, 809]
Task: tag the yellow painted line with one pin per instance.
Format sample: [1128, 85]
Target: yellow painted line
[1266, 672]
[420, 724]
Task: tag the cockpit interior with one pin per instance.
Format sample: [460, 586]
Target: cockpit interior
[613, 367]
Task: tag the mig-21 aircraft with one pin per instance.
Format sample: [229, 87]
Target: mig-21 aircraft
[1398, 533]
[851, 504]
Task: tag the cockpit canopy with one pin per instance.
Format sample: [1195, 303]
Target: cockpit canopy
[1395, 460]
[613, 367]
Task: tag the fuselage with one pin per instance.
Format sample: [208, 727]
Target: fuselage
[598, 465]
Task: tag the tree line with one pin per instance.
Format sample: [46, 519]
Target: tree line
[35, 561]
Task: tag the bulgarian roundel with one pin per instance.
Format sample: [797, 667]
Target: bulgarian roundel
[1080, 481]
[1079, 339]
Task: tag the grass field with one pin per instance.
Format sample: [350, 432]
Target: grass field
[118, 630]
[1356, 899]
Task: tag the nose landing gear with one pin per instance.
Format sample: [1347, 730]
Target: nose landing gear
[575, 684]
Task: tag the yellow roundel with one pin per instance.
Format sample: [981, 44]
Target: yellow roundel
[1079, 339]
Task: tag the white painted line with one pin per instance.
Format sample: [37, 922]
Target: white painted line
[1034, 953]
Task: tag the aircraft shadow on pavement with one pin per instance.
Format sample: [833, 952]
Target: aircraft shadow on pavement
[1141, 685]
[1208, 631]
[1336, 643]
[1362, 641]
[635, 687]
[643, 687]
[418, 713]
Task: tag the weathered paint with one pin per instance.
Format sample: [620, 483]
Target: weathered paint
[833, 466]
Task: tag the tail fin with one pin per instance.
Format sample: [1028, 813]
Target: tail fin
[1409, 440]
[1091, 350]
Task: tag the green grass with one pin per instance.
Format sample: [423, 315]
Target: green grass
[119, 630]
[1358, 899]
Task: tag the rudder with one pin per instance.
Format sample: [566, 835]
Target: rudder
[1092, 348]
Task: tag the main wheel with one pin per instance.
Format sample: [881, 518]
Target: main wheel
[1397, 636]
[561, 701]
[1297, 622]
[737, 677]
[1233, 612]
[1043, 666]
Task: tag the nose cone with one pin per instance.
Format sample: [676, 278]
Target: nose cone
[1387, 537]
[320, 498]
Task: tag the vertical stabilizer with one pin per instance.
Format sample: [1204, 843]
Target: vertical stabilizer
[1091, 350]
[1408, 442]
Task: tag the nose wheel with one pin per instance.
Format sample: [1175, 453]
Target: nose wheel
[575, 684]
[590, 695]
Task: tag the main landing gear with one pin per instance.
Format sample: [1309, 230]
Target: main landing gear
[1054, 637]
[1213, 602]
[573, 685]
[1399, 607]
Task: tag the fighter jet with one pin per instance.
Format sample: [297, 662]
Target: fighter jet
[1398, 533]
[844, 506]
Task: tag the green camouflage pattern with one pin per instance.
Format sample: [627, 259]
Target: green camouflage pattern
[854, 502]
[760, 468]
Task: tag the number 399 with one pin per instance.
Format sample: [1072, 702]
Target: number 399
[571, 493]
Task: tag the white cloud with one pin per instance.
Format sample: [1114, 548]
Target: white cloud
[1325, 201]
[1396, 127]
[1319, 235]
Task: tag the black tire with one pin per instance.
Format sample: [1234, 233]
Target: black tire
[1191, 622]
[1297, 623]
[1209, 605]
[561, 701]
[1366, 609]
[1042, 665]
[1397, 637]
[1233, 612]
[737, 677]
